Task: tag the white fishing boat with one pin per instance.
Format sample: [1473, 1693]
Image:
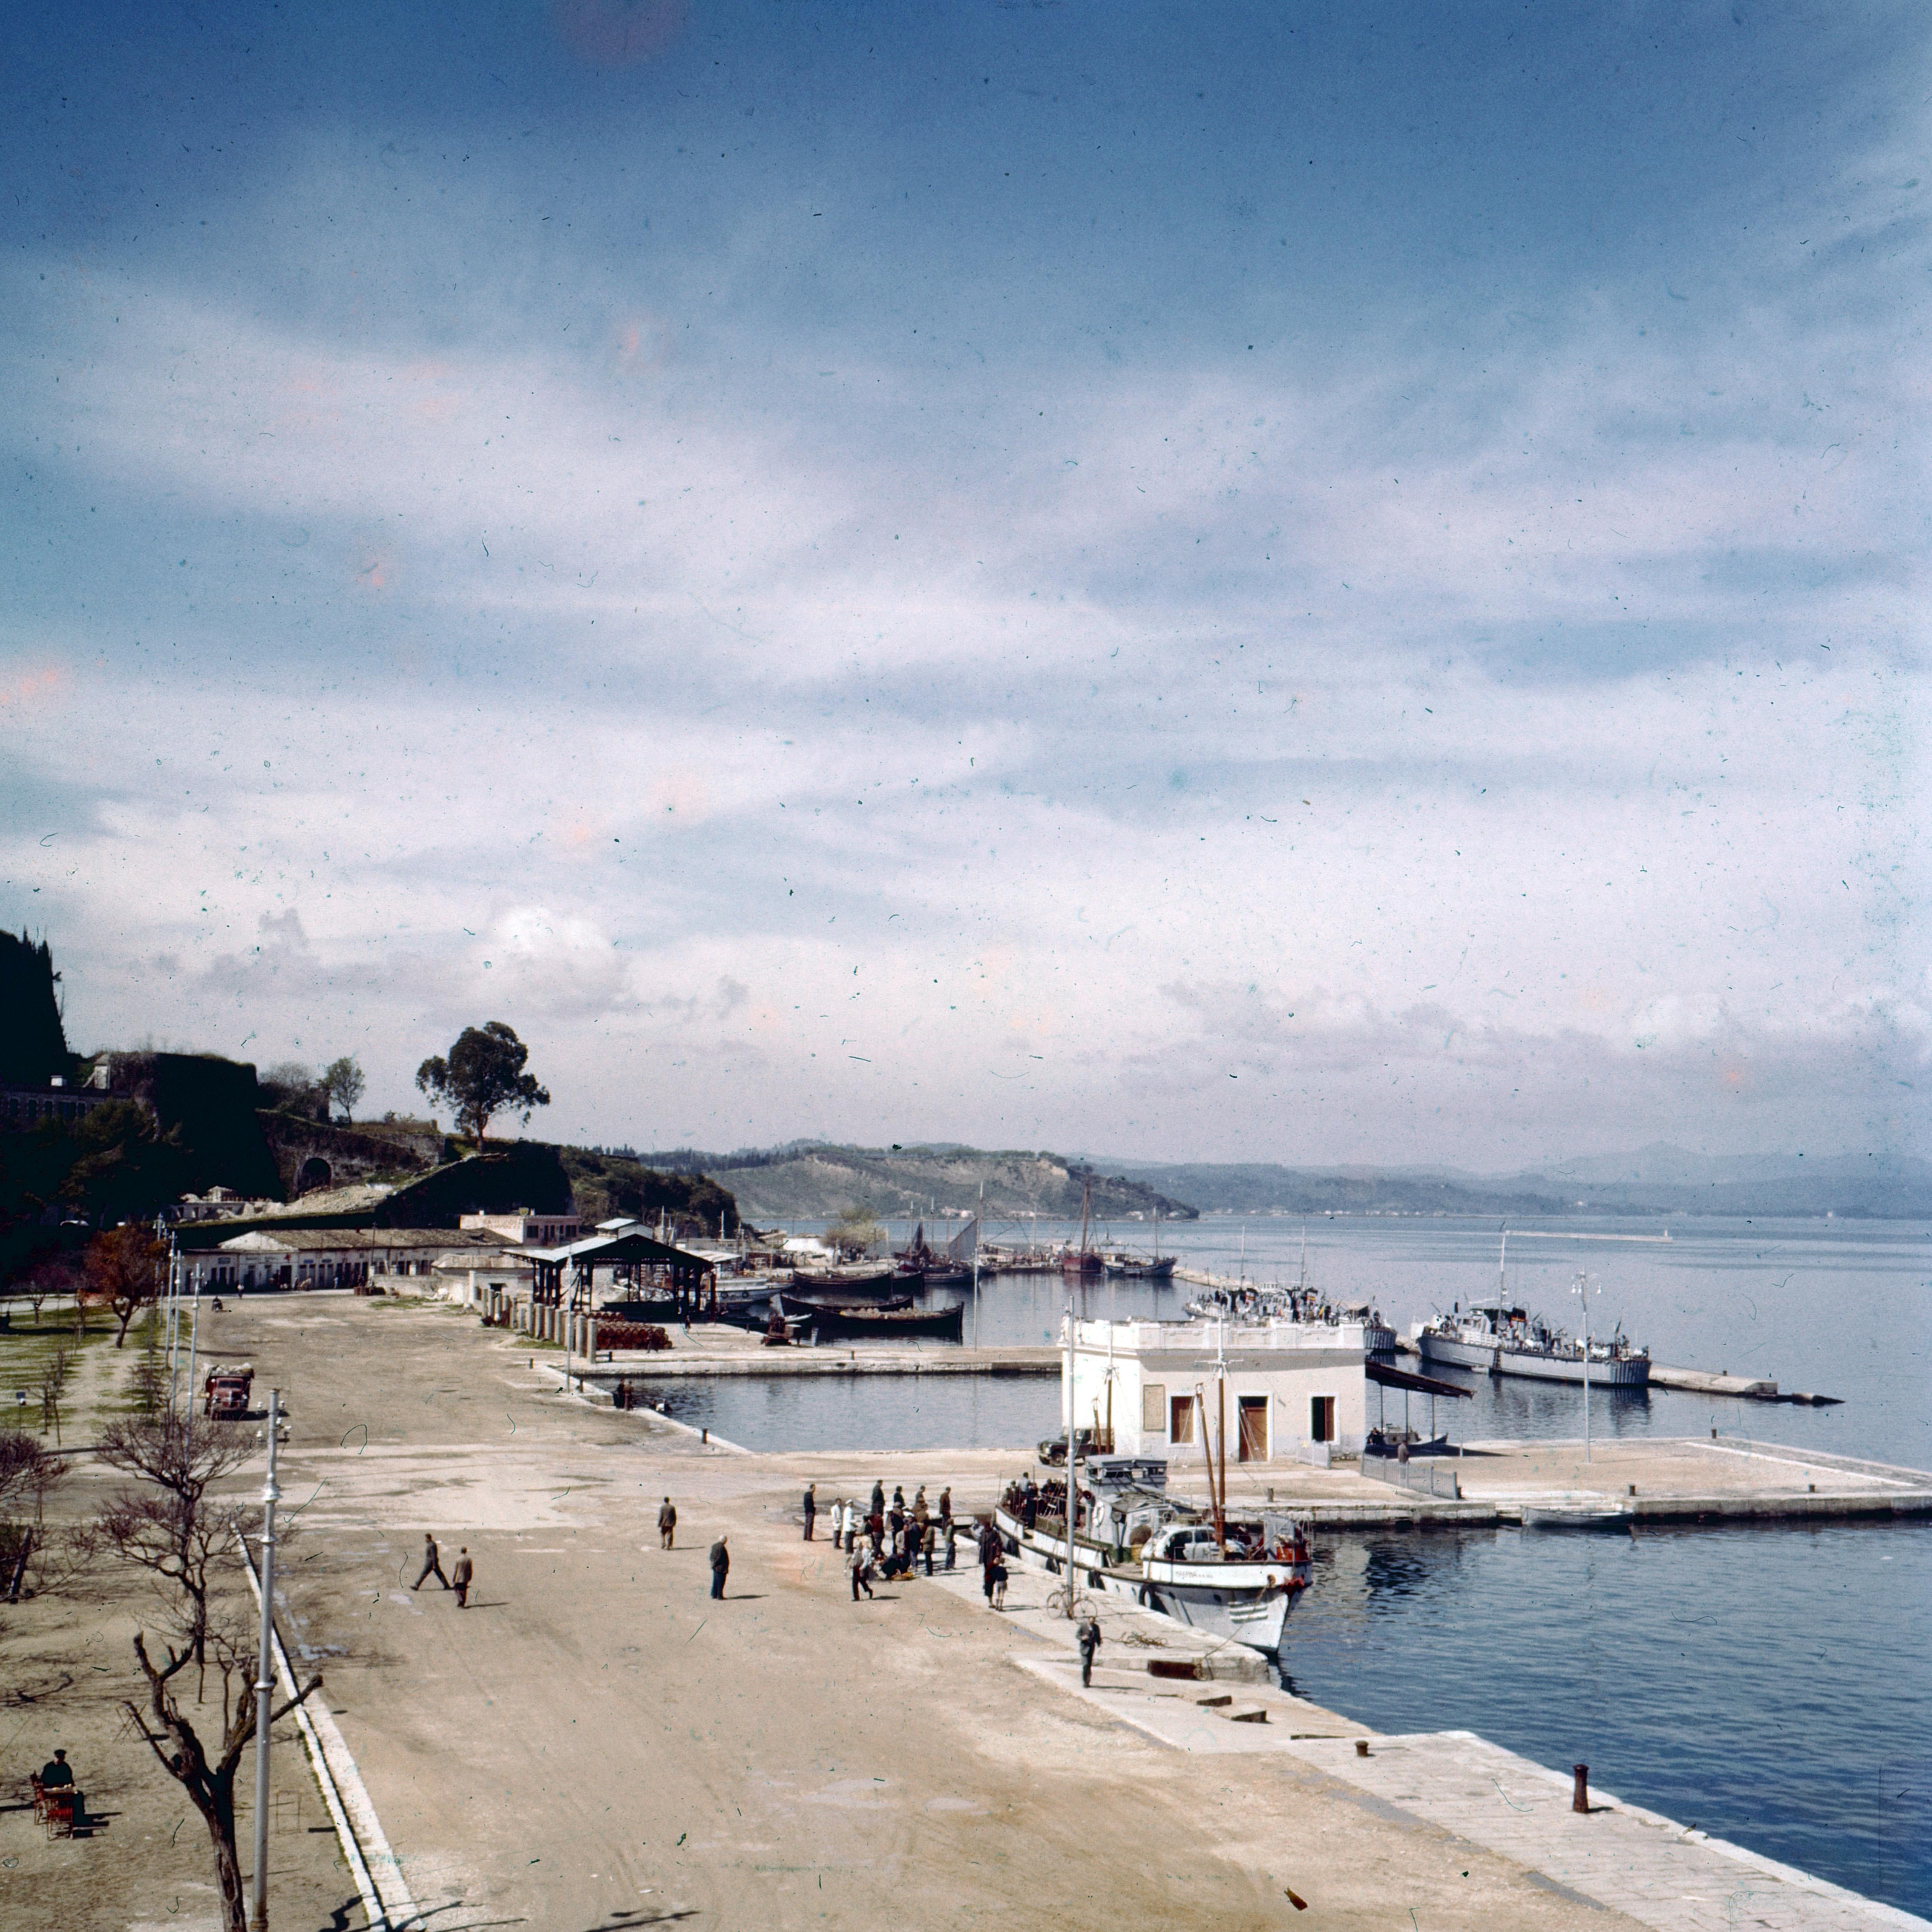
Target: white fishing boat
[1238, 1580]
[1247, 1301]
[1233, 1578]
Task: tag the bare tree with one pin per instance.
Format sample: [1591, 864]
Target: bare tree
[189, 1542]
[27, 1473]
[171, 1527]
[208, 1781]
[53, 1384]
[124, 1268]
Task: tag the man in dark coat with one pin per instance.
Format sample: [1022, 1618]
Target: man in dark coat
[811, 1508]
[459, 1577]
[1090, 1642]
[432, 1564]
[667, 1525]
[877, 1500]
[721, 1564]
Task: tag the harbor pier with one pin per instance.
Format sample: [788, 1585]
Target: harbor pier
[597, 1740]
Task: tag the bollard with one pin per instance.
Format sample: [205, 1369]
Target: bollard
[1361, 1747]
[704, 1435]
[1633, 1488]
[1581, 1802]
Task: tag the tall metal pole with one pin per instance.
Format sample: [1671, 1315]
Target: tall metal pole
[1073, 1479]
[193, 1349]
[1582, 1289]
[264, 1680]
[171, 1319]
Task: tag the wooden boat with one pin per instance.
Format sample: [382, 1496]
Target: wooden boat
[1080, 1262]
[938, 1324]
[862, 1283]
[1576, 1515]
[829, 1304]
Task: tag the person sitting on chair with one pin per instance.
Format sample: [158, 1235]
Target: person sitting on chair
[57, 1772]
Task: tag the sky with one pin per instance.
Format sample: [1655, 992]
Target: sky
[1305, 583]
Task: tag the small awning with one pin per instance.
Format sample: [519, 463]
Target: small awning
[1401, 1378]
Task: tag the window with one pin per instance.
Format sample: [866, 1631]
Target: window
[1180, 1417]
[1154, 1409]
[1321, 1418]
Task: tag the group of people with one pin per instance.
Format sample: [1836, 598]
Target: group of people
[882, 1539]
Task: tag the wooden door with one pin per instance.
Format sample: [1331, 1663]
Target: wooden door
[1254, 1440]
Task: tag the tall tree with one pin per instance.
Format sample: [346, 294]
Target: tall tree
[482, 1077]
[341, 1085]
[33, 1043]
[124, 1268]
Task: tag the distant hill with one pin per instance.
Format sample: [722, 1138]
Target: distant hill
[1263, 1187]
[811, 1181]
[1656, 1180]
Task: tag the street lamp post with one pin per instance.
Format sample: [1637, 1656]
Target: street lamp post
[265, 1679]
[1581, 1290]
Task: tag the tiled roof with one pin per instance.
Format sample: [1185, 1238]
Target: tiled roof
[358, 1240]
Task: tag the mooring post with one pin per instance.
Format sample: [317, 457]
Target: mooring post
[1581, 1802]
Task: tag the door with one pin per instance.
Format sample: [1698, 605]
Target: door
[1181, 1419]
[1254, 1443]
[1321, 1418]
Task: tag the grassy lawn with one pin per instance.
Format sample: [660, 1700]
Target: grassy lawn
[101, 1381]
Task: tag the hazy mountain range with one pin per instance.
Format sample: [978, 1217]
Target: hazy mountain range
[805, 1179]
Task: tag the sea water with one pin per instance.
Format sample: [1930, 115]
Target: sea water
[1769, 1684]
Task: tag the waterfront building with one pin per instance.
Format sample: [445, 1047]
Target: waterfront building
[345, 1257]
[530, 1230]
[1295, 1391]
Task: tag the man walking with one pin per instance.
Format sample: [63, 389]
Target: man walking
[811, 1508]
[667, 1525]
[432, 1564]
[460, 1576]
[1090, 1642]
[721, 1564]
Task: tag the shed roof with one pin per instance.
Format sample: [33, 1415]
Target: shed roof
[595, 1250]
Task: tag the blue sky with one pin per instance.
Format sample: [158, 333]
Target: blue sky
[1317, 584]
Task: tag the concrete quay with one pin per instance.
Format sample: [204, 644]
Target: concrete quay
[1653, 1480]
[1617, 1857]
[598, 1740]
[717, 1348]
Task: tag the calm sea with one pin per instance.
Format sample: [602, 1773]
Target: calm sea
[1771, 1686]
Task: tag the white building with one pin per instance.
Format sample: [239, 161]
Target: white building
[528, 1230]
[339, 1257]
[1294, 1393]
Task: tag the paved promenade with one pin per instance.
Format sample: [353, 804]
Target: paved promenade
[597, 1741]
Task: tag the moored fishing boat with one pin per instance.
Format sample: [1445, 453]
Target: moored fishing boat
[1081, 1260]
[896, 1322]
[1239, 1581]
